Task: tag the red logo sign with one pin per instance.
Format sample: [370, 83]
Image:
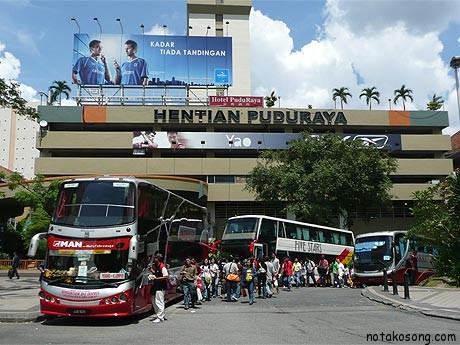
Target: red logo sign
[55, 243]
[236, 101]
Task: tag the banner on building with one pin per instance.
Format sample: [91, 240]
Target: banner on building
[151, 60]
[244, 141]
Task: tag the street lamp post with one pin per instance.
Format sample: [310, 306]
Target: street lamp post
[455, 64]
[100, 27]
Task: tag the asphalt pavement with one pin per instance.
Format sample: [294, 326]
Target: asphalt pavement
[19, 300]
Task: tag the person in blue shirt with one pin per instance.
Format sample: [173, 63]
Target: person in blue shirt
[93, 69]
[134, 71]
[249, 274]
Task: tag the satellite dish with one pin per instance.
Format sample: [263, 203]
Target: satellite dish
[43, 123]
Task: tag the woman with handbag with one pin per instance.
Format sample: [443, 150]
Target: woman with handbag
[232, 279]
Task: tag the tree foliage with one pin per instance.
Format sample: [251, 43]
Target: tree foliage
[341, 94]
[33, 193]
[270, 100]
[58, 89]
[403, 94]
[436, 103]
[370, 93]
[10, 97]
[322, 177]
[437, 223]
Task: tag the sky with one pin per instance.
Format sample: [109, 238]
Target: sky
[301, 49]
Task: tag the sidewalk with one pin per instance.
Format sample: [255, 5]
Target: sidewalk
[19, 297]
[437, 302]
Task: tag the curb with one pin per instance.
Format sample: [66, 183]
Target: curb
[17, 317]
[376, 297]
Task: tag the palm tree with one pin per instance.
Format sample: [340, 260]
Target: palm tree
[404, 94]
[270, 100]
[59, 88]
[341, 93]
[370, 94]
[436, 103]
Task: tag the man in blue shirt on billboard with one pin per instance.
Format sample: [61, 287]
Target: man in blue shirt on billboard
[135, 70]
[93, 69]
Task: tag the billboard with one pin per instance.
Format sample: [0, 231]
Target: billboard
[106, 59]
[244, 141]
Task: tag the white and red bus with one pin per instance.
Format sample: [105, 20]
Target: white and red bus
[103, 233]
[260, 235]
[388, 250]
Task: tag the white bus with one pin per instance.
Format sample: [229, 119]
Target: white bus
[388, 250]
[260, 235]
[103, 234]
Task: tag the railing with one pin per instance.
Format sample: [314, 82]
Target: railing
[23, 264]
[172, 95]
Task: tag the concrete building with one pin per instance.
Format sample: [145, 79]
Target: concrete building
[18, 142]
[222, 143]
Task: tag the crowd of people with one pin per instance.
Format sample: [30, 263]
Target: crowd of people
[233, 278]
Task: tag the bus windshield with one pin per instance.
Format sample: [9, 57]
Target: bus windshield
[95, 262]
[95, 204]
[241, 228]
[373, 252]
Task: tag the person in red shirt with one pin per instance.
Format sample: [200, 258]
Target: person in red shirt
[287, 273]
[322, 270]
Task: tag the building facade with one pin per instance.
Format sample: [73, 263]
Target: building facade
[219, 145]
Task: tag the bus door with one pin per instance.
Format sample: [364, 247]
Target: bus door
[259, 251]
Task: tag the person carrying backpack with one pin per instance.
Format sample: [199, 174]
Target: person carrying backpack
[249, 274]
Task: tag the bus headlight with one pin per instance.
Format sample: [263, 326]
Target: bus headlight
[114, 299]
[123, 297]
[41, 294]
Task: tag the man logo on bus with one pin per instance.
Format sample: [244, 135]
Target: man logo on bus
[67, 244]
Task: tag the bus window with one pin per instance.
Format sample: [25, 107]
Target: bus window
[313, 235]
[328, 237]
[268, 230]
[291, 231]
[321, 236]
[299, 233]
[306, 234]
[343, 240]
[281, 230]
[336, 238]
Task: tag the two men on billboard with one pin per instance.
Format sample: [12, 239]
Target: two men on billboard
[134, 71]
[93, 69]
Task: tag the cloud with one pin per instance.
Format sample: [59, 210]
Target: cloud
[387, 54]
[159, 30]
[10, 69]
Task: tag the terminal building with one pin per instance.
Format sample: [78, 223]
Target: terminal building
[209, 138]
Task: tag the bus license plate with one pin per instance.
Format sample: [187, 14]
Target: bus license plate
[79, 311]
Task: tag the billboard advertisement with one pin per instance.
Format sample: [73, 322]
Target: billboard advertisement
[245, 141]
[106, 59]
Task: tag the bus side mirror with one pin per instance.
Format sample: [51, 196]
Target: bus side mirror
[133, 247]
[34, 242]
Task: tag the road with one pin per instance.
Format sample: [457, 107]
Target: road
[303, 316]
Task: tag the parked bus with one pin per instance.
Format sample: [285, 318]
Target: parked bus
[102, 236]
[260, 235]
[390, 250]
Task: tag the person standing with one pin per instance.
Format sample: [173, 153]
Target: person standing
[189, 273]
[160, 285]
[215, 277]
[322, 270]
[287, 273]
[15, 265]
[413, 269]
[134, 71]
[297, 268]
[270, 275]
[93, 69]
[249, 272]
[310, 266]
[276, 271]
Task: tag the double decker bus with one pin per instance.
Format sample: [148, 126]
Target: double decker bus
[388, 250]
[260, 235]
[103, 233]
